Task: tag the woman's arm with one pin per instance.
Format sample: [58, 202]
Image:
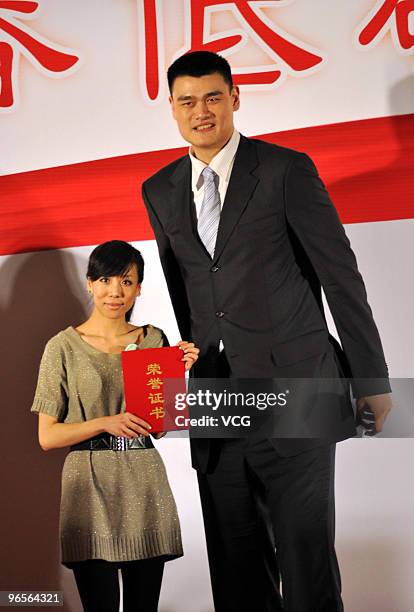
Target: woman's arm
[58, 435]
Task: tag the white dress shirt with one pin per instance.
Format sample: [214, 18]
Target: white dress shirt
[222, 164]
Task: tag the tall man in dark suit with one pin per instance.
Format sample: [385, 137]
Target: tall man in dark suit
[247, 236]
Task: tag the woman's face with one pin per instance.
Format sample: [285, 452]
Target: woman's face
[113, 296]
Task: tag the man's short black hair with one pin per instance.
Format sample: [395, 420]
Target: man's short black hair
[198, 64]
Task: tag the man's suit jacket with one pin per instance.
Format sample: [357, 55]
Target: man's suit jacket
[279, 240]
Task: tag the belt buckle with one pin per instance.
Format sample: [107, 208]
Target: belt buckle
[138, 442]
[119, 443]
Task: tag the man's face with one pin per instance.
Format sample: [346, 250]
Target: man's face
[203, 108]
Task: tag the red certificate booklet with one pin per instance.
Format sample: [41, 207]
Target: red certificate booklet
[155, 388]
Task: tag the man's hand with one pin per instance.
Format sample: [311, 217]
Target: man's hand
[373, 410]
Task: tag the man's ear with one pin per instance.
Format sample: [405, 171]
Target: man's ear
[171, 101]
[236, 97]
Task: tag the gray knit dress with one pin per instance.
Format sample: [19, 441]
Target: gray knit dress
[115, 505]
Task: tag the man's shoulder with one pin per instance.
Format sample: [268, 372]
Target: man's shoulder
[271, 150]
[163, 175]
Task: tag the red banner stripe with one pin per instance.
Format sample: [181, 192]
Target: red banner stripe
[367, 166]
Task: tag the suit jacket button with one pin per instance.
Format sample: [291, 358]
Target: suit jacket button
[219, 314]
[215, 269]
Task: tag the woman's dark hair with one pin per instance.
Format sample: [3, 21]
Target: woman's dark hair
[114, 258]
[198, 64]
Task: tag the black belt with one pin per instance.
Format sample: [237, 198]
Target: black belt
[114, 443]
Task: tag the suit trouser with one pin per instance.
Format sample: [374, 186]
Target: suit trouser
[256, 500]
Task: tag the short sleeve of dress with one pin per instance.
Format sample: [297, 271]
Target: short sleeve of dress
[51, 395]
[164, 339]
[155, 338]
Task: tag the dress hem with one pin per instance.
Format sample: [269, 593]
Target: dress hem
[121, 548]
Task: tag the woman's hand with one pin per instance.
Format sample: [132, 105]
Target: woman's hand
[190, 353]
[126, 424]
[159, 435]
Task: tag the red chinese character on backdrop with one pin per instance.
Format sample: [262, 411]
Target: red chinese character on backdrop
[288, 55]
[391, 15]
[16, 38]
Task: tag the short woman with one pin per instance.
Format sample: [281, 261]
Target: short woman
[117, 509]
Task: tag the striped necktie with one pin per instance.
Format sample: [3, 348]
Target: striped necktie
[209, 217]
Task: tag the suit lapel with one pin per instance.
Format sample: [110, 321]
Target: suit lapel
[183, 204]
[241, 187]
[240, 190]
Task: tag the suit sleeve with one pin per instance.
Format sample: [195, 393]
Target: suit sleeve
[172, 272]
[313, 218]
